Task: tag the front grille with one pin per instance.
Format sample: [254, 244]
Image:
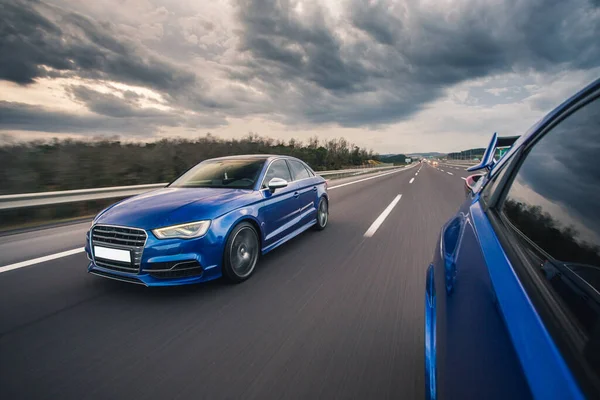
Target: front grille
[117, 265]
[131, 239]
[174, 269]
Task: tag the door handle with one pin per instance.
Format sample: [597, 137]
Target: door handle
[314, 188]
[296, 194]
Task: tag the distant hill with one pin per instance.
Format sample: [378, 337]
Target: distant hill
[430, 154]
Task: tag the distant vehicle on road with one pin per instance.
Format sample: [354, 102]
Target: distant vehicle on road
[512, 303]
[215, 220]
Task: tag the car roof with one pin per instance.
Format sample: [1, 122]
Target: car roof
[253, 157]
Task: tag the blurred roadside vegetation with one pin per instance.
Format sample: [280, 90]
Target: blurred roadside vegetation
[40, 166]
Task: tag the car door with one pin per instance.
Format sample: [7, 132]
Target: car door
[279, 208]
[469, 353]
[516, 287]
[306, 189]
[546, 217]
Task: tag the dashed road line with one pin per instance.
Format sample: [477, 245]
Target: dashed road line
[377, 223]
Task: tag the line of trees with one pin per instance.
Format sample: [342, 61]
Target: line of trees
[564, 242]
[394, 159]
[466, 154]
[77, 164]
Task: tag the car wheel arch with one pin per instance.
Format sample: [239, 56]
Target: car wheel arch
[253, 222]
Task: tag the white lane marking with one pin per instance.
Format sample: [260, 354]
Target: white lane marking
[412, 180]
[464, 179]
[366, 179]
[449, 173]
[38, 260]
[377, 223]
[442, 170]
[67, 253]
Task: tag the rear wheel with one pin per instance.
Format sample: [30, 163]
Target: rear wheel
[241, 253]
[322, 214]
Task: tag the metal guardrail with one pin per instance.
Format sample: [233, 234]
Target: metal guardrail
[460, 163]
[470, 162]
[14, 201]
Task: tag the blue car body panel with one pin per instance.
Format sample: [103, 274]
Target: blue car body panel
[278, 217]
[484, 339]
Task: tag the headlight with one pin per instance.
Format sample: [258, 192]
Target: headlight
[183, 231]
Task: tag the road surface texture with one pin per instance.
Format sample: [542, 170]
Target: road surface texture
[335, 314]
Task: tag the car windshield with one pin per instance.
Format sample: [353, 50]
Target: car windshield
[238, 174]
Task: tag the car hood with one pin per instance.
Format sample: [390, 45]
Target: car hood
[172, 206]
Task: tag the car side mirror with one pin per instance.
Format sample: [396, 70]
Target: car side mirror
[471, 182]
[277, 183]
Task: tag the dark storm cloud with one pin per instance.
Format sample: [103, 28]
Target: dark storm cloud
[114, 106]
[407, 54]
[378, 62]
[34, 34]
[26, 117]
[296, 49]
[19, 116]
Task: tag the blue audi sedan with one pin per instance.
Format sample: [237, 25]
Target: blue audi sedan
[512, 303]
[215, 220]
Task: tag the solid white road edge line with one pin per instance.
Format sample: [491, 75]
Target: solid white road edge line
[449, 173]
[67, 253]
[377, 223]
[38, 260]
[411, 180]
[366, 179]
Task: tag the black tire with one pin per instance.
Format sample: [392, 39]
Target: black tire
[241, 253]
[322, 214]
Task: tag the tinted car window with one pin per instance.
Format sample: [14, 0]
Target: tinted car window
[552, 204]
[277, 169]
[227, 173]
[298, 170]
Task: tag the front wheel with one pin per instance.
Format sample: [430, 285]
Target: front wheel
[241, 253]
[322, 214]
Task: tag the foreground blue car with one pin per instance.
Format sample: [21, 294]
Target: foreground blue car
[512, 304]
[215, 220]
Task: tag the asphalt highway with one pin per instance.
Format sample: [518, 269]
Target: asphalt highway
[336, 314]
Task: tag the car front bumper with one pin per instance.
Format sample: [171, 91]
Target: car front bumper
[168, 262]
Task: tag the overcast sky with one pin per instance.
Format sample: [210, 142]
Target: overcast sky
[394, 76]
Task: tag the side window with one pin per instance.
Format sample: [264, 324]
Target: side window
[310, 171]
[298, 170]
[277, 169]
[552, 205]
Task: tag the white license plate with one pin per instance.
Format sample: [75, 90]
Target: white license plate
[112, 254]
